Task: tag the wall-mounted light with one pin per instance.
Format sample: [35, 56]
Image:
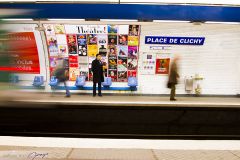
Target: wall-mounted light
[39, 28]
[197, 22]
[213, 22]
[170, 21]
[145, 20]
[10, 19]
[92, 19]
[66, 19]
[118, 20]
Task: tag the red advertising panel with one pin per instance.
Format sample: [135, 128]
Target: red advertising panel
[162, 66]
[24, 53]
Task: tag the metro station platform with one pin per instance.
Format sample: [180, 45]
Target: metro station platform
[123, 100]
[151, 117]
[126, 100]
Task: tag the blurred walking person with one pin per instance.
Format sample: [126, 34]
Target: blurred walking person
[173, 78]
[98, 78]
[61, 74]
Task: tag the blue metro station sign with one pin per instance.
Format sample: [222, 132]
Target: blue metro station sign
[174, 40]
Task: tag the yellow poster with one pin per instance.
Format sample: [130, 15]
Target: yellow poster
[133, 40]
[92, 50]
[59, 29]
[73, 73]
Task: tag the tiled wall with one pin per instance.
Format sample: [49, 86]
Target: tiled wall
[218, 60]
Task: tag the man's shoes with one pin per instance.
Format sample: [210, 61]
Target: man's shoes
[67, 96]
[94, 95]
[173, 99]
[100, 95]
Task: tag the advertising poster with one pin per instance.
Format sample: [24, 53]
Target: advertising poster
[83, 69]
[122, 51]
[81, 39]
[73, 61]
[63, 50]
[71, 39]
[90, 75]
[83, 73]
[133, 40]
[134, 30]
[92, 50]
[59, 29]
[86, 29]
[122, 76]
[66, 62]
[102, 39]
[49, 29]
[112, 50]
[132, 64]
[72, 49]
[52, 45]
[162, 65]
[83, 59]
[132, 52]
[82, 50]
[105, 63]
[92, 39]
[148, 63]
[73, 73]
[103, 50]
[112, 39]
[24, 52]
[61, 39]
[112, 29]
[122, 64]
[113, 75]
[132, 73]
[53, 62]
[112, 61]
[123, 40]
[123, 29]
[90, 59]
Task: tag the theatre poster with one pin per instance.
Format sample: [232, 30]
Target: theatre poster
[162, 65]
[148, 63]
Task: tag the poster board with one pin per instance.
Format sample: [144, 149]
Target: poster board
[162, 66]
[148, 63]
[118, 45]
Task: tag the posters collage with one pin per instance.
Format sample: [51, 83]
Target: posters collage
[77, 45]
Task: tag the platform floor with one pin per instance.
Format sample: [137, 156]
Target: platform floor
[126, 100]
[36, 148]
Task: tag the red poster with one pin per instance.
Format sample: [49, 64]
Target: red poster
[24, 53]
[132, 73]
[162, 66]
[73, 61]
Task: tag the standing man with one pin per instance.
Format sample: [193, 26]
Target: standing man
[98, 78]
[173, 78]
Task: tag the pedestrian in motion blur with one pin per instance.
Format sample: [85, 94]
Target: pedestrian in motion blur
[98, 78]
[173, 78]
[61, 74]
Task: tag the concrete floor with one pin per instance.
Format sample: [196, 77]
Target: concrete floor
[111, 100]
[36, 153]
